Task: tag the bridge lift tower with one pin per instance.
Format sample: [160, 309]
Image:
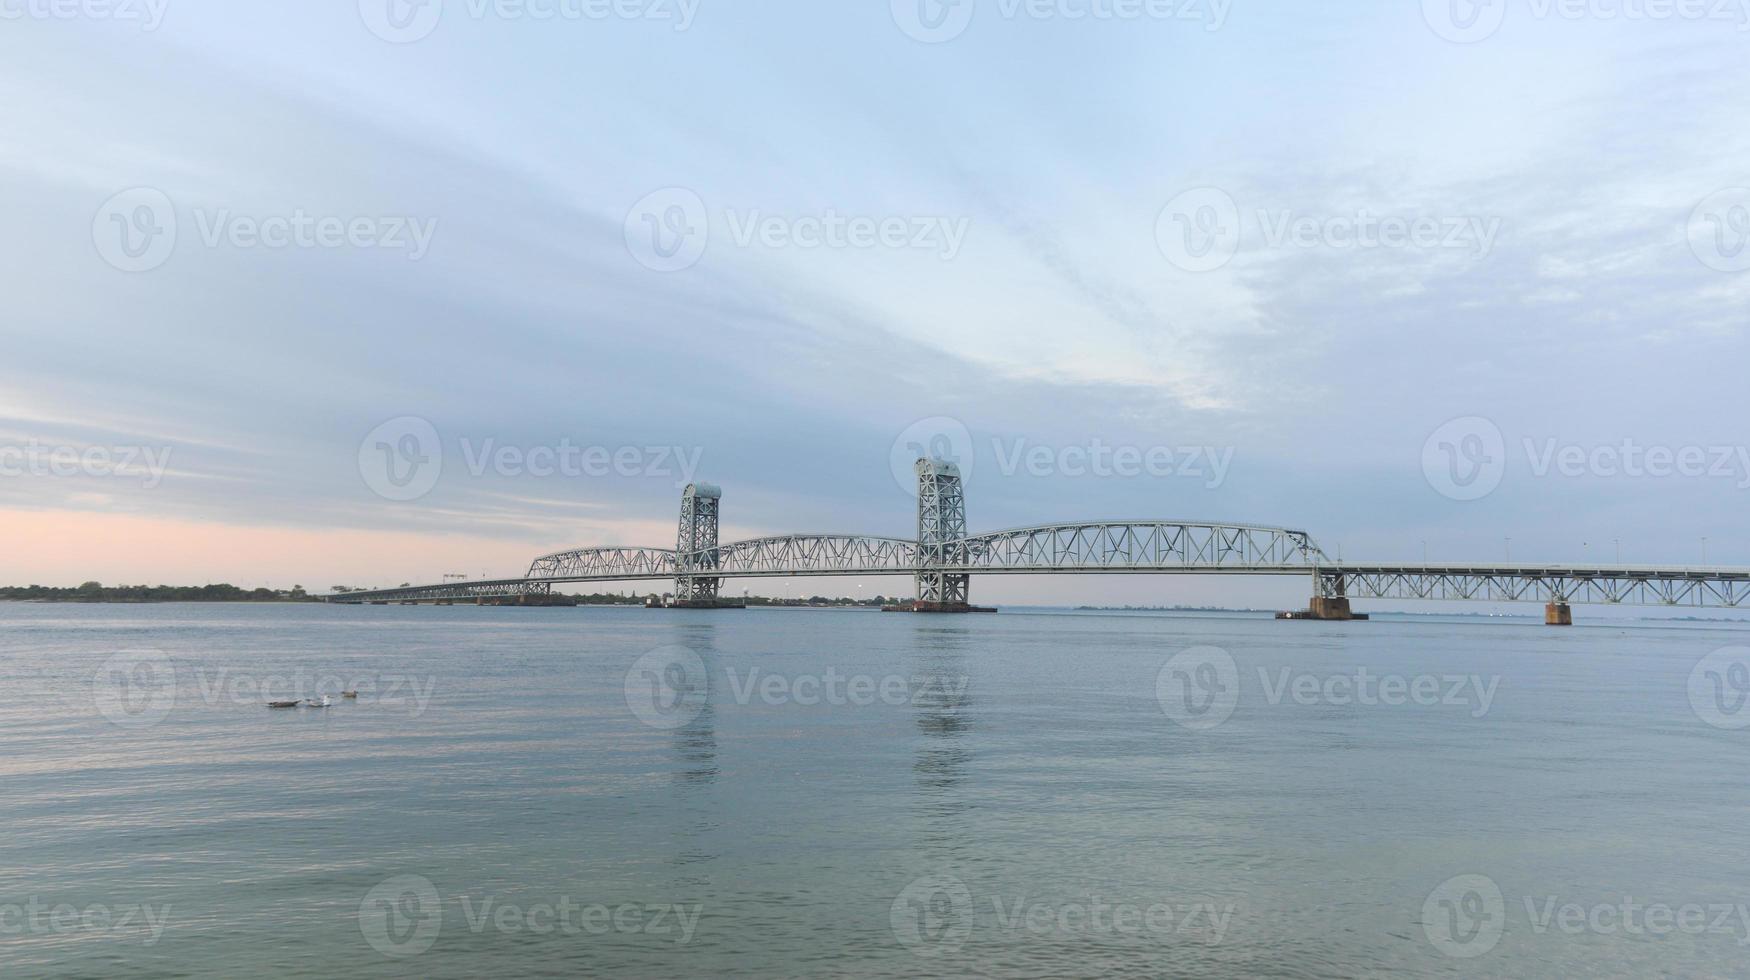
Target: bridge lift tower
[941, 539]
[695, 548]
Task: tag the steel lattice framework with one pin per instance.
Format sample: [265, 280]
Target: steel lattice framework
[942, 548]
[449, 592]
[1106, 546]
[696, 544]
[819, 554]
[1630, 586]
[944, 556]
[1145, 546]
[604, 565]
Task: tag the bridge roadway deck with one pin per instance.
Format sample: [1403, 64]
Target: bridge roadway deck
[1650, 585]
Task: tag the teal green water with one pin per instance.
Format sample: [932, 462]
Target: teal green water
[569, 792]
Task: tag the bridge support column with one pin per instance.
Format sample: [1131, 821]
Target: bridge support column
[696, 548]
[1558, 613]
[941, 539]
[1329, 604]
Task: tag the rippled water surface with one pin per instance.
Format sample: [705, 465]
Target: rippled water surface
[548, 792]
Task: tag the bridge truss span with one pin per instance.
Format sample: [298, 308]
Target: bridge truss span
[944, 557]
[1628, 586]
[605, 564]
[1144, 546]
[817, 554]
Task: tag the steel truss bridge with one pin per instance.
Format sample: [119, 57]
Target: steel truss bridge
[944, 556]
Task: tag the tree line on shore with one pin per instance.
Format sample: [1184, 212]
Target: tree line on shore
[98, 592]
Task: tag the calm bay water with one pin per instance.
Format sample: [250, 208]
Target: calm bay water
[560, 792]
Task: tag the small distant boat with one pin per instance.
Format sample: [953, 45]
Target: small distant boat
[325, 702]
[284, 704]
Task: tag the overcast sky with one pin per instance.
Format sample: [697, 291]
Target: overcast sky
[259, 261]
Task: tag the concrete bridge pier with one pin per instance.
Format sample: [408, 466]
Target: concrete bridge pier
[1558, 613]
[1330, 602]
